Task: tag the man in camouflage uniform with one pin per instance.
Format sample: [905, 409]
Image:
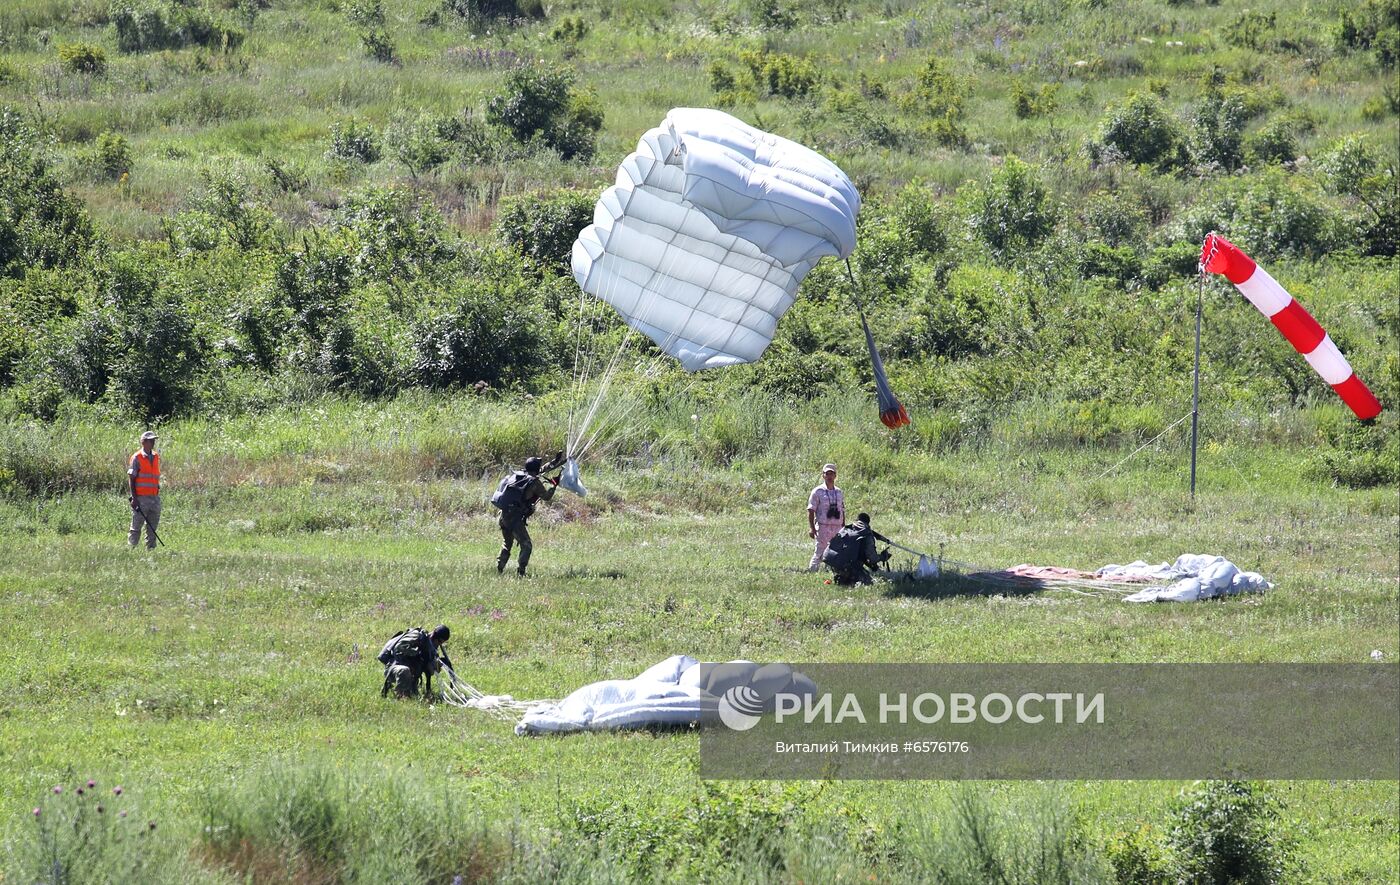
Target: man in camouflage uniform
[410, 655]
[852, 555]
[530, 488]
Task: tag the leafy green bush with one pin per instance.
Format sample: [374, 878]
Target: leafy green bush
[354, 142]
[544, 226]
[421, 143]
[1359, 455]
[780, 74]
[82, 58]
[1140, 131]
[110, 156]
[40, 224]
[395, 233]
[492, 334]
[1217, 134]
[1028, 102]
[171, 26]
[1226, 833]
[1277, 142]
[1373, 25]
[537, 103]
[1139, 857]
[480, 11]
[1011, 209]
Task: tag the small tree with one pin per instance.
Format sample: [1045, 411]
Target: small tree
[537, 103]
[1142, 132]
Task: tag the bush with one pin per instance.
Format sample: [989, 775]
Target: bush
[82, 58]
[109, 158]
[395, 234]
[1359, 455]
[1011, 210]
[174, 26]
[543, 227]
[421, 143]
[780, 74]
[537, 103]
[1142, 132]
[481, 11]
[1226, 833]
[40, 224]
[1218, 130]
[492, 335]
[354, 142]
[1028, 102]
[1277, 142]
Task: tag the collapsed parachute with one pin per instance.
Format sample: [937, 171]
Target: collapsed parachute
[709, 229]
[1220, 256]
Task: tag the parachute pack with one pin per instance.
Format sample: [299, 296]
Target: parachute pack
[844, 550]
[411, 648]
[510, 494]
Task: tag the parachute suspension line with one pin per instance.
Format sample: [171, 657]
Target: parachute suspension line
[892, 412]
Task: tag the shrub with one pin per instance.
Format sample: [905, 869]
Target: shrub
[1277, 142]
[1359, 455]
[1227, 832]
[174, 26]
[1374, 25]
[1176, 261]
[1347, 165]
[1142, 132]
[1119, 263]
[780, 74]
[223, 210]
[537, 103]
[772, 15]
[40, 224]
[491, 335]
[395, 233]
[1250, 29]
[82, 58]
[352, 141]
[110, 156]
[1028, 102]
[1010, 210]
[421, 143]
[491, 10]
[544, 226]
[1116, 219]
[160, 355]
[1218, 130]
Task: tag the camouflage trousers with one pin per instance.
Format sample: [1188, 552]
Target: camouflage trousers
[513, 531]
[149, 516]
[402, 680]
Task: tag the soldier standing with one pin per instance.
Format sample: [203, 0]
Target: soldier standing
[516, 497]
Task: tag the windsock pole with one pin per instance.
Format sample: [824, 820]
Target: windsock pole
[1196, 376]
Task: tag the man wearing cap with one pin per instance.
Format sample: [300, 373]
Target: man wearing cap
[519, 507]
[143, 477]
[826, 513]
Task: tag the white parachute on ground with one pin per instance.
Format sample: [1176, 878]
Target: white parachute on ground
[710, 227]
[679, 691]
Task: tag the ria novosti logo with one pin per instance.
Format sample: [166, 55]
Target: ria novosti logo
[741, 707]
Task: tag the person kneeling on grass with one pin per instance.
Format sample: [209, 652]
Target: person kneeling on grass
[410, 655]
[851, 554]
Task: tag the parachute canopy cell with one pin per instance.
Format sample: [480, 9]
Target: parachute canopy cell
[710, 227]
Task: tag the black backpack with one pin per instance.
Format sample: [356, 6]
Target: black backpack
[411, 647]
[844, 550]
[510, 494]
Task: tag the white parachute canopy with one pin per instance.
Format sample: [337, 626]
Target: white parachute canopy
[710, 227]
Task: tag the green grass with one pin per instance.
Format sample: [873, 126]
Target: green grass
[298, 541]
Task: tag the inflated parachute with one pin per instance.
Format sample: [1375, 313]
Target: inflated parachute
[708, 231]
[1220, 256]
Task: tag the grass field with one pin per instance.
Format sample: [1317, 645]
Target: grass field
[295, 547]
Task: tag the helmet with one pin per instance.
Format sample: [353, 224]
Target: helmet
[440, 634]
[533, 465]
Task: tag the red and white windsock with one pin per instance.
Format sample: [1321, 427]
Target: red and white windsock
[1219, 255]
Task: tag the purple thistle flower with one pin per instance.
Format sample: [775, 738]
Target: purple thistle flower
[117, 790]
[57, 789]
[80, 791]
[91, 784]
[99, 808]
[121, 813]
[36, 812]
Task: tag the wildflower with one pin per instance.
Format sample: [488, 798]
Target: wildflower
[117, 790]
[91, 784]
[151, 824]
[36, 812]
[99, 808]
[121, 814]
[80, 791]
[57, 790]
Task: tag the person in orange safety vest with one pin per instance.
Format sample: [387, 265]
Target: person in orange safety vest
[143, 475]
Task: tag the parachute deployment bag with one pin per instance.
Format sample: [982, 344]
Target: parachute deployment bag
[510, 494]
[844, 549]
